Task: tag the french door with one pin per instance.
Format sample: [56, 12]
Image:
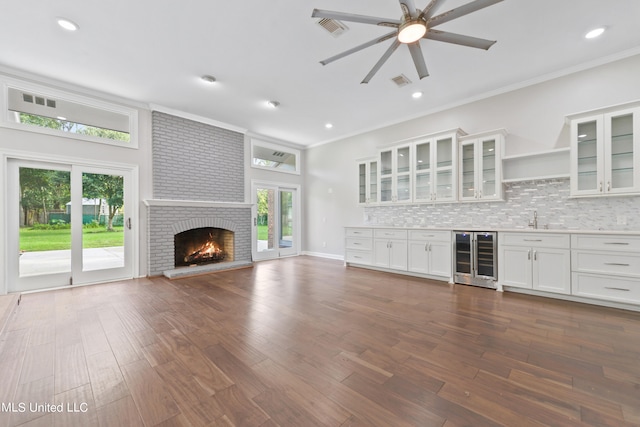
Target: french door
[67, 225]
[276, 224]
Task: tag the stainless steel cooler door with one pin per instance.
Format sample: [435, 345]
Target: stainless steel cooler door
[463, 255]
[485, 257]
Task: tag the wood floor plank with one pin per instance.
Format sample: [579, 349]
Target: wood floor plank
[308, 341]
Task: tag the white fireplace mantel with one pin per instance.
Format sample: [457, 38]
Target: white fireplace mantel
[194, 203]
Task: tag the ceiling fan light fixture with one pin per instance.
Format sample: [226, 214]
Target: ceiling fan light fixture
[411, 31]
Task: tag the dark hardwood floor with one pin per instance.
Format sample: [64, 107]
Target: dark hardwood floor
[307, 342]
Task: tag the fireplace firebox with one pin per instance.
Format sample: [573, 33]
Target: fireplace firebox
[203, 246]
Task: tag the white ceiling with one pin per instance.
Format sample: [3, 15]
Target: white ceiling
[154, 51]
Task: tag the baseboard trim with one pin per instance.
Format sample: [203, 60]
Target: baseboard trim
[323, 255]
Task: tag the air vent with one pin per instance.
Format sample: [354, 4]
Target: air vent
[334, 27]
[401, 80]
[39, 100]
[278, 154]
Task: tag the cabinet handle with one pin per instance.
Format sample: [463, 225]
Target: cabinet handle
[617, 243]
[608, 185]
[616, 263]
[426, 247]
[390, 245]
[529, 254]
[356, 256]
[480, 194]
[532, 240]
[535, 255]
[356, 244]
[618, 289]
[600, 187]
[429, 247]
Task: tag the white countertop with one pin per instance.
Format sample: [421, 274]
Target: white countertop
[505, 230]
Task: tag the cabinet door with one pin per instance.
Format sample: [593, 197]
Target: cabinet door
[444, 156]
[423, 190]
[386, 176]
[398, 254]
[587, 162]
[515, 266]
[362, 183]
[440, 262]
[552, 270]
[620, 151]
[372, 182]
[381, 253]
[490, 177]
[418, 261]
[403, 174]
[468, 190]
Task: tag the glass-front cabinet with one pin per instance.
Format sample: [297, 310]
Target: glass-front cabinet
[435, 168]
[604, 153]
[368, 182]
[481, 166]
[395, 175]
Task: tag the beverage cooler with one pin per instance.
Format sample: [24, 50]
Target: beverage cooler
[475, 256]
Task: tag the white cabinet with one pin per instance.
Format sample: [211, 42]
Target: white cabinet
[359, 246]
[390, 249]
[535, 261]
[605, 152]
[481, 166]
[430, 252]
[367, 181]
[435, 168]
[394, 172]
[606, 267]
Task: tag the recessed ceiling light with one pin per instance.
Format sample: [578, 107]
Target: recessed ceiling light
[594, 33]
[416, 95]
[67, 25]
[328, 125]
[273, 104]
[61, 118]
[208, 79]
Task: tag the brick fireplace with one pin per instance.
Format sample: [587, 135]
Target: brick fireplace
[198, 184]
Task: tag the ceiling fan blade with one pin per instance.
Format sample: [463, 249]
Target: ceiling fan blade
[443, 36]
[381, 61]
[460, 11]
[359, 48]
[428, 11]
[418, 59]
[350, 17]
[408, 9]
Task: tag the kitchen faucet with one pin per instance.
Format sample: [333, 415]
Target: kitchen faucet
[534, 224]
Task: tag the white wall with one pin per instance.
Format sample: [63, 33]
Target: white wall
[534, 117]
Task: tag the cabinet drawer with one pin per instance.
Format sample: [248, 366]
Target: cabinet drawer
[361, 243]
[388, 233]
[606, 287]
[535, 239]
[358, 257]
[359, 232]
[606, 262]
[606, 242]
[430, 235]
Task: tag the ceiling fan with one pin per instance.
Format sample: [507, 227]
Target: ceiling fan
[415, 24]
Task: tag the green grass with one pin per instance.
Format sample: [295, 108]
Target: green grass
[263, 232]
[52, 240]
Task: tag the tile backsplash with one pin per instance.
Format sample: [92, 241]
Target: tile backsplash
[550, 198]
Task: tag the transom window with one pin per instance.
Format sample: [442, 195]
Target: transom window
[265, 155]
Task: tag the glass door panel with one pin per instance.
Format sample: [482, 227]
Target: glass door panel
[489, 168]
[444, 152]
[286, 219]
[362, 183]
[621, 157]
[276, 227]
[423, 186]
[468, 171]
[403, 185]
[445, 185]
[386, 190]
[44, 212]
[373, 182]
[404, 160]
[103, 221]
[587, 156]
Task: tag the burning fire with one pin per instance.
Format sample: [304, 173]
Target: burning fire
[206, 253]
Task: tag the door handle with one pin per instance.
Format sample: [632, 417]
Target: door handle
[129, 223]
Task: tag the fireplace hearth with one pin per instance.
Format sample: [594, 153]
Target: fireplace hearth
[206, 245]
